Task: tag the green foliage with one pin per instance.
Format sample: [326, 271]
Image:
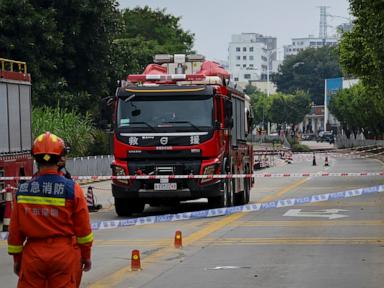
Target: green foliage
[359, 109]
[362, 49]
[307, 71]
[261, 107]
[67, 45]
[279, 108]
[289, 109]
[145, 32]
[101, 144]
[300, 148]
[77, 49]
[76, 131]
[30, 33]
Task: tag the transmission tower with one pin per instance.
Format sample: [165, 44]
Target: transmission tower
[323, 23]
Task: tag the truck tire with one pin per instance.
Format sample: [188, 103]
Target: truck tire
[243, 196]
[126, 207]
[224, 200]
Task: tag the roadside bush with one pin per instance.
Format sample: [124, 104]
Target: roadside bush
[300, 148]
[77, 131]
[102, 144]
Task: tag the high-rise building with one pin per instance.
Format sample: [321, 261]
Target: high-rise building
[249, 54]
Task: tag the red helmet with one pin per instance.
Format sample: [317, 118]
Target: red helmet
[48, 148]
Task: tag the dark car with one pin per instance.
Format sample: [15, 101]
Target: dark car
[327, 137]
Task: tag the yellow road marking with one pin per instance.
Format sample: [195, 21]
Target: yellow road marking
[307, 223]
[284, 190]
[122, 274]
[296, 241]
[125, 272]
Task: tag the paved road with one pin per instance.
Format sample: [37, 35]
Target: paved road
[296, 247]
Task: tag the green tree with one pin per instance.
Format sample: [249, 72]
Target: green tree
[261, 108]
[30, 33]
[289, 109]
[299, 105]
[67, 45]
[362, 49]
[307, 71]
[359, 110]
[145, 32]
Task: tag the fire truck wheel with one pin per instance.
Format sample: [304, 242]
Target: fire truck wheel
[224, 200]
[247, 188]
[126, 207]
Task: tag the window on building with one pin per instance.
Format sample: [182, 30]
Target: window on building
[251, 57]
[319, 43]
[237, 49]
[236, 78]
[237, 57]
[244, 49]
[247, 76]
[244, 57]
[250, 49]
[237, 65]
[244, 65]
[293, 43]
[250, 65]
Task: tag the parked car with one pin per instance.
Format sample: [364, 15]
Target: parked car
[326, 136]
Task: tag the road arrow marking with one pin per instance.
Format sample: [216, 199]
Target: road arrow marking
[326, 213]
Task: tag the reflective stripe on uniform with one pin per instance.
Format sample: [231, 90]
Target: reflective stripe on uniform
[24, 199]
[85, 239]
[14, 249]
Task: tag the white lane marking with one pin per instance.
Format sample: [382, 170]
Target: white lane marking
[327, 213]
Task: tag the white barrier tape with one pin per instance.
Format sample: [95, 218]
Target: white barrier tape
[112, 224]
[219, 176]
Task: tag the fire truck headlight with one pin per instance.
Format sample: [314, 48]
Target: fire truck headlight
[209, 170]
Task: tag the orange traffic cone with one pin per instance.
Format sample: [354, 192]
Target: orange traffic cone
[8, 208]
[178, 239]
[135, 261]
[326, 161]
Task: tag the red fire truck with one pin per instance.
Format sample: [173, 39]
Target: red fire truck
[15, 122]
[180, 117]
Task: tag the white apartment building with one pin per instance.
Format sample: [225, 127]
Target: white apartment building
[248, 58]
[300, 44]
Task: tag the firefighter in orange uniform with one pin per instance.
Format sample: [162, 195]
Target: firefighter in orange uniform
[50, 236]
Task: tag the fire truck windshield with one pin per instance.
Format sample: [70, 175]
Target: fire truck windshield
[193, 113]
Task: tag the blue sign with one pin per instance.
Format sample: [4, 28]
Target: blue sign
[332, 85]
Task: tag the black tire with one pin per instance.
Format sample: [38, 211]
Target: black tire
[223, 200]
[126, 207]
[247, 186]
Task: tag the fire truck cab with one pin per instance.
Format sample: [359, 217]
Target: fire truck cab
[180, 117]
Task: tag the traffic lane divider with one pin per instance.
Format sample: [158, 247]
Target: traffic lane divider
[218, 176]
[113, 224]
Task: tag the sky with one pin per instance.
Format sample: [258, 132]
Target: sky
[214, 21]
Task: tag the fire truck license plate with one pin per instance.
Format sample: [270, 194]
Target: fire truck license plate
[165, 186]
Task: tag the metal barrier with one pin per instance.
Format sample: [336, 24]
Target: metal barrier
[90, 166]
